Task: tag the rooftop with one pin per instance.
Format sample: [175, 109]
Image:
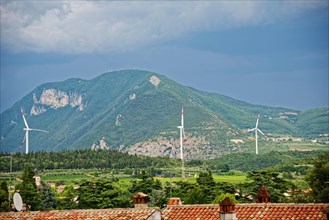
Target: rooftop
[90, 214]
[255, 211]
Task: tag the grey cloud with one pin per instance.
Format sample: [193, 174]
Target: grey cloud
[112, 26]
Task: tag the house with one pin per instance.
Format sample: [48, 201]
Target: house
[254, 211]
[140, 212]
[262, 210]
[90, 214]
[226, 210]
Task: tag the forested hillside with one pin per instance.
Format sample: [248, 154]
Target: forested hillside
[126, 109]
[248, 161]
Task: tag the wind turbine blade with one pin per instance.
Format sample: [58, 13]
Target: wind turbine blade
[32, 129]
[21, 145]
[25, 122]
[261, 132]
[257, 120]
[252, 129]
[182, 121]
[184, 136]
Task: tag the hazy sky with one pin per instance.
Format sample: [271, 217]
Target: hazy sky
[263, 52]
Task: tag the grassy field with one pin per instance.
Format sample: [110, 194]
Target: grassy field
[64, 177]
[70, 177]
[217, 178]
[266, 146]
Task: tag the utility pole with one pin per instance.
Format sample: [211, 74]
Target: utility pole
[11, 167]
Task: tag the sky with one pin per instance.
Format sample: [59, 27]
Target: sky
[263, 52]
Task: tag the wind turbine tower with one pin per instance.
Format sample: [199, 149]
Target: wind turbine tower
[256, 129]
[182, 138]
[27, 129]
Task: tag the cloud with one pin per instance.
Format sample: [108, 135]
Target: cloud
[75, 27]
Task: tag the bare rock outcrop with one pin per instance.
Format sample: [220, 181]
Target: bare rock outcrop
[194, 147]
[56, 99]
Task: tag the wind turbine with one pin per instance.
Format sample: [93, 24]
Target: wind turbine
[182, 137]
[256, 129]
[27, 129]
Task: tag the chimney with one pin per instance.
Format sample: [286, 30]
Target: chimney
[263, 196]
[175, 201]
[141, 200]
[226, 210]
[325, 211]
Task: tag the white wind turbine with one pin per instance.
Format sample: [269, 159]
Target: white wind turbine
[27, 129]
[182, 137]
[256, 129]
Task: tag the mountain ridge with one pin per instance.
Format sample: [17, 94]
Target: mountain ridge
[131, 107]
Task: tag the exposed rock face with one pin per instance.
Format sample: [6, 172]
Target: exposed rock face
[154, 80]
[118, 120]
[101, 145]
[56, 99]
[37, 110]
[193, 147]
[132, 96]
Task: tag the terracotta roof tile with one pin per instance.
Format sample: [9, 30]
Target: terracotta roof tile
[191, 212]
[271, 211]
[268, 211]
[92, 214]
[253, 211]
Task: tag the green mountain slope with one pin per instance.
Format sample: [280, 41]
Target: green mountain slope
[138, 112]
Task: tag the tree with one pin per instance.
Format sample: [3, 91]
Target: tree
[206, 180]
[28, 189]
[206, 183]
[222, 196]
[99, 194]
[196, 196]
[275, 185]
[318, 178]
[4, 203]
[47, 196]
[150, 187]
[145, 185]
[65, 200]
[180, 189]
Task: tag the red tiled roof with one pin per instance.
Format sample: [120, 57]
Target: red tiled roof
[259, 211]
[191, 212]
[269, 211]
[90, 214]
[255, 211]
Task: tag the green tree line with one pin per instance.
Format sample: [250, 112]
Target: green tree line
[81, 159]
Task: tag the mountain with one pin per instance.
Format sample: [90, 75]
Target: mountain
[138, 112]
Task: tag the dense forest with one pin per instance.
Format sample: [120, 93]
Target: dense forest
[81, 159]
[112, 159]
